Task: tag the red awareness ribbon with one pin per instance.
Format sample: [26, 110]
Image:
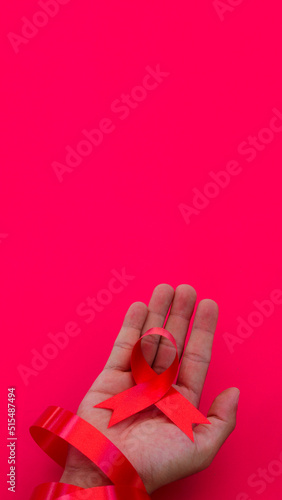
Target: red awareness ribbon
[155, 389]
[54, 430]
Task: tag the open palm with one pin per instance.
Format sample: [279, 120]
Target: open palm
[156, 447]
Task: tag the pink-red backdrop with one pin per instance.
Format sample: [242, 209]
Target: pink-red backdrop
[134, 203]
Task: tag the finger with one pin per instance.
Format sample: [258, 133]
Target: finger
[222, 416]
[177, 323]
[197, 355]
[158, 308]
[134, 320]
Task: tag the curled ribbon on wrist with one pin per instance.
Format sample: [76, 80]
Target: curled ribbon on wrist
[54, 430]
[155, 389]
[57, 427]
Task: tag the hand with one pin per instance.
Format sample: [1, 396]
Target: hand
[156, 447]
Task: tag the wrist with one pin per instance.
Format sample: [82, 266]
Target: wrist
[90, 478]
[85, 478]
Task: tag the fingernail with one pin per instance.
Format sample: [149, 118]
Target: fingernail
[237, 397]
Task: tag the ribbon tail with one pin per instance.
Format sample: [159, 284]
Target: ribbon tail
[128, 403]
[119, 411]
[181, 412]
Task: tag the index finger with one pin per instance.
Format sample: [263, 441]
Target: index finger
[130, 332]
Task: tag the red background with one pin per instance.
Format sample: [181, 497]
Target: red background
[59, 241]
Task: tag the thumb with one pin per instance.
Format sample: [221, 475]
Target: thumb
[222, 416]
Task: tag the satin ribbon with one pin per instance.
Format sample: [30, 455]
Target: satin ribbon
[54, 430]
[155, 389]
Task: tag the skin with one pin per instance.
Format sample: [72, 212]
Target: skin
[159, 451]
